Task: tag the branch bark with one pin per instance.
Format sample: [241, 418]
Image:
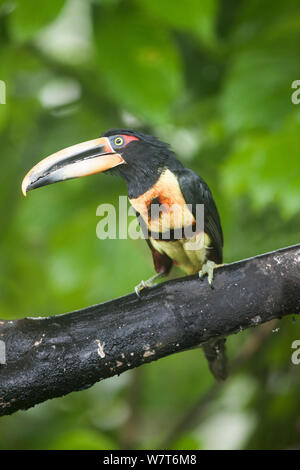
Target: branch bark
[52, 356]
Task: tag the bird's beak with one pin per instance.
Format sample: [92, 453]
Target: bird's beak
[87, 158]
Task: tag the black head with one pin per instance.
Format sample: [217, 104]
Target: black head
[145, 157]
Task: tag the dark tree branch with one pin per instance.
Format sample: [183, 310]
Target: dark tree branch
[50, 357]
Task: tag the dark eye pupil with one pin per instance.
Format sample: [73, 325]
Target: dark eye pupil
[118, 140]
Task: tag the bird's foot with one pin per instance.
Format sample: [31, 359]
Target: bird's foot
[142, 285]
[208, 268]
[146, 284]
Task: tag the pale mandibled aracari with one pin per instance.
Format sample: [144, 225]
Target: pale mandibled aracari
[153, 176]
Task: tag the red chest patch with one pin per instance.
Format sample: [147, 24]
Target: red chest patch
[163, 207]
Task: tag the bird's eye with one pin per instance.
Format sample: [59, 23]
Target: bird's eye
[119, 141]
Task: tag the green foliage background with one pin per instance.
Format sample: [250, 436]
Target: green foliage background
[213, 78]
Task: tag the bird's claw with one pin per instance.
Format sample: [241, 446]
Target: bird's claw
[146, 284]
[139, 288]
[142, 285]
[208, 268]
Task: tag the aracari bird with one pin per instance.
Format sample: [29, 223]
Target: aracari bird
[153, 176]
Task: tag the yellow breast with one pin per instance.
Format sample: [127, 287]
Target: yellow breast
[189, 255]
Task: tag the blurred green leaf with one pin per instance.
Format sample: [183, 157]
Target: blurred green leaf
[30, 17]
[257, 91]
[263, 65]
[254, 20]
[83, 439]
[258, 167]
[187, 442]
[189, 15]
[140, 64]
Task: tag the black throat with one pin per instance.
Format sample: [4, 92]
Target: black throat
[145, 159]
[144, 165]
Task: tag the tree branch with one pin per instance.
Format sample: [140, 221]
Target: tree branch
[50, 357]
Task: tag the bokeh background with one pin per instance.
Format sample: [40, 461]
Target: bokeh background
[213, 78]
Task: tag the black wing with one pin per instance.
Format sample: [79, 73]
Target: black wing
[196, 191]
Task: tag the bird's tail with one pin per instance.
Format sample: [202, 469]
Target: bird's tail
[215, 353]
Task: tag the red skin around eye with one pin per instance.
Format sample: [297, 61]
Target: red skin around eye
[129, 138]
